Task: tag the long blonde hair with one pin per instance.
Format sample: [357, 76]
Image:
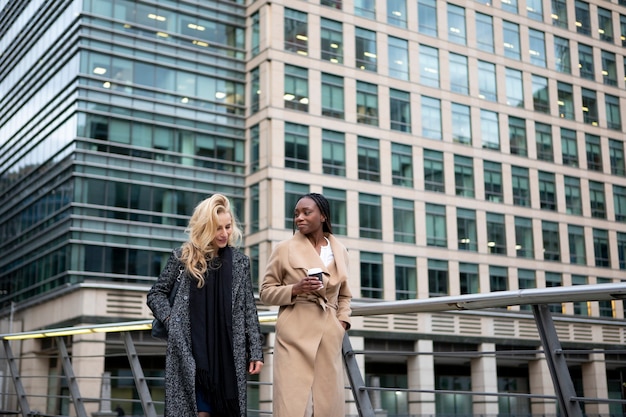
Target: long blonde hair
[199, 253]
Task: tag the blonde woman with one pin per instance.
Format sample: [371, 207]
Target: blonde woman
[214, 336]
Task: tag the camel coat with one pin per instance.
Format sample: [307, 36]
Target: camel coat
[180, 366]
[309, 335]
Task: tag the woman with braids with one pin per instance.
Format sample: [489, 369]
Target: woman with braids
[313, 316]
[214, 337]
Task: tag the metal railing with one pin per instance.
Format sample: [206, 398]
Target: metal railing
[569, 403]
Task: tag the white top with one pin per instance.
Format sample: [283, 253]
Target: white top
[326, 253]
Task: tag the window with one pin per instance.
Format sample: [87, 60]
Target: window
[293, 191]
[338, 210]
[437, 278]
[569, 147]
[466, 229]
[492, 172]
[621, 249]
[484, 32]
[547, 191]
[537, 49]
[616, 154]
[436, 230]
[514, 88]
[489, 129]
[296, 32]
[601, 248]
[461, 124]
[255, 90]
[369, 159]
[521, 186]
[367, 103]
[429, 66]
[576, 237]
[496, 234]
[400, 110]
[565, 100]
[401, 165]
[458, 73]
[543, 137]
[559, 13]
[396, 13]
[403, 221]
[331, 33]
[573, 200]
[365, 8]
[398, 58]
[464, 176]
[517, 136]
[254, 148]
[370, 220]
[590, 107]
[581, 308]
[609, 68]
[296, 88]
[594, 152]
[605, 306]
[535, 9]
[583, 18]
[456, 24]
[333, 153]
[551, 246]
[431, 118]
[510, 6]
[498, 278]
[371, 275]
[511, 40]
[541, 97]
[524, 245]
[433, 171]
[597, 200]
[605, 25]
[562, 55]
[622, 28]
[335, 4]
[526, 280]
[613, 115]
[487, 81]
[554, 279]
[585, 61]
[254, 208]
[468, 278]
[365, 44]
[255, 40]
[406, 278]
[332, 96]
[427, 17]
[619, 203]
[296, 146]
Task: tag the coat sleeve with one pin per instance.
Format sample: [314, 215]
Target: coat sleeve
[274, 289]
[251, 316]
[157, 298]
[345, 296]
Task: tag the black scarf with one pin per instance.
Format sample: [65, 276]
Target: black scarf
[212, 336]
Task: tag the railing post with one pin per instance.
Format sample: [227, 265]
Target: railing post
[557, 364]
[72, 384]
[361, 396]
[140, 380]
[17, 381]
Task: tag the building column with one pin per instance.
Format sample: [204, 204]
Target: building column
[485, 379]
[595, 384]
[421, 376]
[87, 354]
[540, 383]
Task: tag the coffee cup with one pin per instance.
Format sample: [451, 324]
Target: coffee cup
[316, 272]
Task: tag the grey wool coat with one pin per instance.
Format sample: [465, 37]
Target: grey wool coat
[180, 368]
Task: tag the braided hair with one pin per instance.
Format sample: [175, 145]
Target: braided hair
[322, 204]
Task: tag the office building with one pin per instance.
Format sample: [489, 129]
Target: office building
[465, 146]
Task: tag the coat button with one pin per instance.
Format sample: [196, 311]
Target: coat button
[185, 297]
